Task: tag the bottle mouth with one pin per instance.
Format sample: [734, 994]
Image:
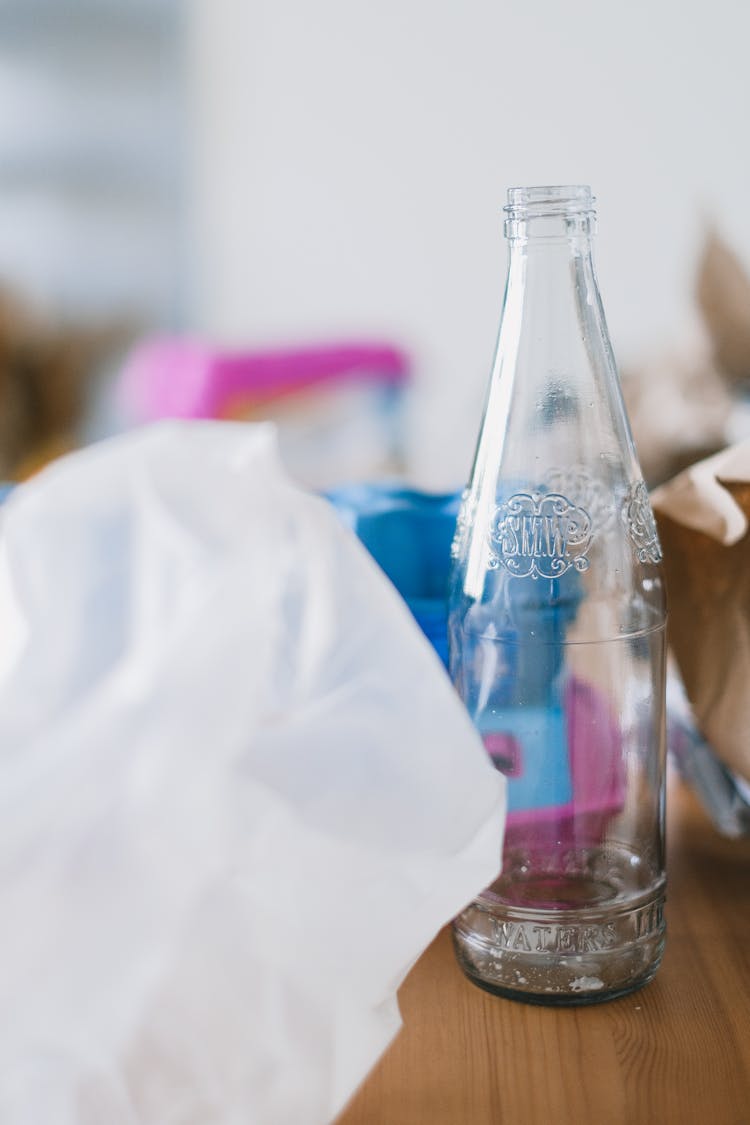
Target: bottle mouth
[551, 199]
[567, 199]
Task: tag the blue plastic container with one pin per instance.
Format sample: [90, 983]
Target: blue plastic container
[409, 534]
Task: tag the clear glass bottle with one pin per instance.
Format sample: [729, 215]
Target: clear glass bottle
[557, 635]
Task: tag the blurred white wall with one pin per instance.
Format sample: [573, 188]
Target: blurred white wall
[91, 105]
[349, 162]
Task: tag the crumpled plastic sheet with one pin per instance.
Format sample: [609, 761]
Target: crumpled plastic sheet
[238, 795]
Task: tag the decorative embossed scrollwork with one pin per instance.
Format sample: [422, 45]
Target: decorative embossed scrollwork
[586, 492]
[540, 536]
[641, 525]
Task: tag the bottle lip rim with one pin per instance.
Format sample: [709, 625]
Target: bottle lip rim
[550, 199]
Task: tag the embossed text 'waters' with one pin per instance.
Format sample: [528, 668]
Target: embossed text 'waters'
[557, 635]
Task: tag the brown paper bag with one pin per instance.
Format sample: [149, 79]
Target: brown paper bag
[723, 293]
[704, 521]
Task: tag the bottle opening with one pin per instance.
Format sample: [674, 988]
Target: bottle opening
[575, 199]
[551, 211]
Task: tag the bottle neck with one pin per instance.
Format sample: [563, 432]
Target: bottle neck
[551, 247]
[554, 377]
[530, 225]
[552, 299]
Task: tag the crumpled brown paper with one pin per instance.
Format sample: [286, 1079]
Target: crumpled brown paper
[679, 406]
[723, 294]
[704, 522]
[680, 401]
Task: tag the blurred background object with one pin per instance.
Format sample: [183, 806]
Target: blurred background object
[724, 297]
[692, 401]
[409, 534]
[92, 234]
[48, 373]
[92, 118]
[337, 408]
[278, 176]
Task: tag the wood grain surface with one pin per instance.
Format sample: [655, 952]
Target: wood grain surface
[676, 1051]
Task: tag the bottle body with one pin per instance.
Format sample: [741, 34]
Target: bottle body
[557, 637]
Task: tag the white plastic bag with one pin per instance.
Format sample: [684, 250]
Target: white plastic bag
[237, 794]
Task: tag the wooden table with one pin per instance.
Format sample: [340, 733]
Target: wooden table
[676, 1052]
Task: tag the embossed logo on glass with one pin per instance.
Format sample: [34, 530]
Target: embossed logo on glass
[535, 536]
[583, 490]
[641, 525]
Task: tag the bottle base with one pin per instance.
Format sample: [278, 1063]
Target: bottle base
[560, 1000]
[561, 958]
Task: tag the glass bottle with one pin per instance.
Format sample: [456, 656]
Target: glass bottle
[557, 635]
